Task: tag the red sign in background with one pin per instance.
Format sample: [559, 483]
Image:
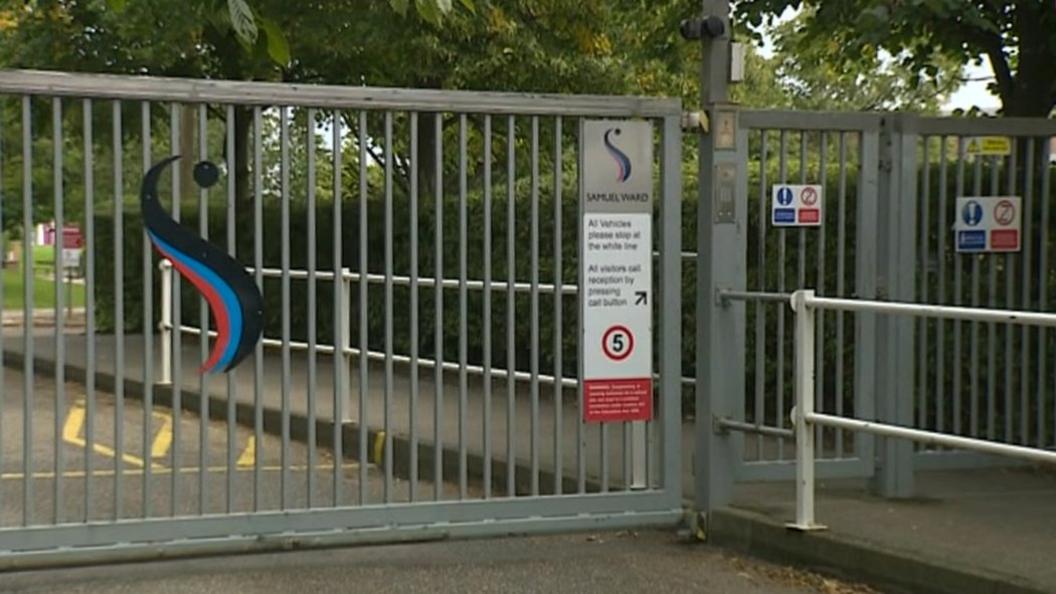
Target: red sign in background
[1004, 239]
[627, 399]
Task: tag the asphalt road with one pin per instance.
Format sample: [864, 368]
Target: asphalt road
[180, 482]
[603, 562]
[171, 470]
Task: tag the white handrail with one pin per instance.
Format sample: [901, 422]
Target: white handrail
[804, 303]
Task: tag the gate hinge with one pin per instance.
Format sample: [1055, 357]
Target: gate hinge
[695, 121]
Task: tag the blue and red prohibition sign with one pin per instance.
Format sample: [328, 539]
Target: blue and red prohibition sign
[234, 299]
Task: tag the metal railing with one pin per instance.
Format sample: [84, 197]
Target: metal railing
[166, 325]
[805, 418]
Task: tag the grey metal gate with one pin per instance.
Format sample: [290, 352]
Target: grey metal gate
[889, 182]
[419, 375]
[763, 265]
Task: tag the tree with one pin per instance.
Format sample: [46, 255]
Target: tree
[1018, 37]
[816, 73]
[227, 39]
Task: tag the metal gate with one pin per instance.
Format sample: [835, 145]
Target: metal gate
[763, 265]
[889, 182]
[419, 375]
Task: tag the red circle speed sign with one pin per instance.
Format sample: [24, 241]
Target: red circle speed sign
[617, 342]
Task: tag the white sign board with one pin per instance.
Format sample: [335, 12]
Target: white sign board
[988, 224]
[796, 205]
[71, 258]
[616, 270]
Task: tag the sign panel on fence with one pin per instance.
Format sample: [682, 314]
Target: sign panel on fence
[989, 146]
[616, 270]
[796, 205]
[988, 224]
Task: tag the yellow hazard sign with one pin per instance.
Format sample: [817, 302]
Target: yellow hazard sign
[989, 145]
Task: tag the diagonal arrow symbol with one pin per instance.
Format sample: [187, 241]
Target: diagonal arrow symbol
[641, 297]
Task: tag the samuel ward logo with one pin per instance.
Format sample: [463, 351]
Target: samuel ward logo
[623, 163]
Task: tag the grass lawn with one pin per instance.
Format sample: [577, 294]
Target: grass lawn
[43, 291]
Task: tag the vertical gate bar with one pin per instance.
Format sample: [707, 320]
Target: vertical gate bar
[487, 307]
[781, 238]
[559, 374]
[511, 277]
[313, 354]
[924, 275]
[177, 320]
[438, 332]
[364, 346]
[958, 299]
[414, 308]
[1027, 242]
[27, 309]
[801, 244]
[534, 316]
[1010, 275]
[88, 191]
[258, 270]
[671, 308]
[148, 331]
[387, 421]
[819, 350]
[203, 324]
[89, 289]
[284, 256]
[973, 414]
[342, 337]
[841, 274]
[229, 130]
[119, 311]
[940, 325]
[581, 457]
[991, 328]
[759, 414]
[60, 341]
[463, 314]
[1043, 287]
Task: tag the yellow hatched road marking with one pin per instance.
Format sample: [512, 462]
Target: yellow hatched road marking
[108, 472]
[71, 433]
[248, 456]
[163, 440]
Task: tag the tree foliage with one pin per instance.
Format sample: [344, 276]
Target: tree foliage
[1018, 37]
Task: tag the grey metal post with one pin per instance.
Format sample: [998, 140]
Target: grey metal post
[896, 255]
[721, 255]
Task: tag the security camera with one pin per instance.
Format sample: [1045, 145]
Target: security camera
[710, 27]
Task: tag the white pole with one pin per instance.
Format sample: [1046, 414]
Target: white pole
[804, 336]
[165, 325]
[936, 439]
[344, 344]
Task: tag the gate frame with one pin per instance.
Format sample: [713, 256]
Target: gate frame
[138, 538]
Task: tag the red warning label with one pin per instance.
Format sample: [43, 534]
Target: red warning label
[627, 399]
[809, 215]
[1004, 240]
